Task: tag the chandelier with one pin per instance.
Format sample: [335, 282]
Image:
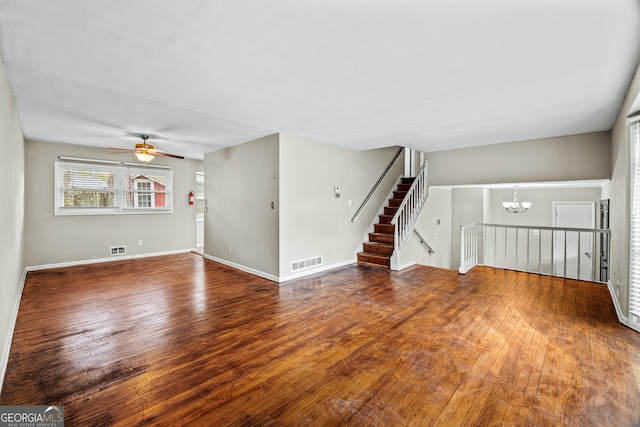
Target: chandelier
[516, 206]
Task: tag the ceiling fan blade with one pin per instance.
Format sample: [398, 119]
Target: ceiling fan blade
[169, 155]
[123, 149]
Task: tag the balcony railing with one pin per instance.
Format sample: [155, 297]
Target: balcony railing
[556, 251]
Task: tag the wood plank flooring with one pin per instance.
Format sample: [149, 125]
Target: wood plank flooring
[181, 340]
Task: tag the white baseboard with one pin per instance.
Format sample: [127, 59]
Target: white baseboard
[407, 265]
[6, 350]
[621, 317]
[242, 268]
[317, 270]
[110, 259]
[274, 278]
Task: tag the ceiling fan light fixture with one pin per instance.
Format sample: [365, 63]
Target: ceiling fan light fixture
[144, 152]
[144, 157]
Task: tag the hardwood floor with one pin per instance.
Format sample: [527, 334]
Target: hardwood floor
[181, 340]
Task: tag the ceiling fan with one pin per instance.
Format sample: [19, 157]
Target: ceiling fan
[145, 152]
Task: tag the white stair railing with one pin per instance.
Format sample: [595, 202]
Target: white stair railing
[468, 247]
[572, 253]
[408, 212]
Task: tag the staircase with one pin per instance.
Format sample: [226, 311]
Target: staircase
[379, 248]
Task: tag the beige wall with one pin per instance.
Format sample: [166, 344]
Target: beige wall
[53, 239]
[241, 182]
[619, 194]
[12, 174]
[575, 157]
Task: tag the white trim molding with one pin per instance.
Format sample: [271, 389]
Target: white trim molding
[242, 268]
[6, 350]
[110, 259]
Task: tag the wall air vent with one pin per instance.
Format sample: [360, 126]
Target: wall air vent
[306, 263]
[117, 250]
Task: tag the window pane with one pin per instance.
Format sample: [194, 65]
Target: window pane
[88, 199]
[145, 189]
[88, 179]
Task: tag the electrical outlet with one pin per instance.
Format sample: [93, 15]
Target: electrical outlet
[229, 248]
[139, 242]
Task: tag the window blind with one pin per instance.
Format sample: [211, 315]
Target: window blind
[86, 185]
[634, 223]
[86, 188]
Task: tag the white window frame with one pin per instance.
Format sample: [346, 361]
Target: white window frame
[634, 225]
[146, 175]
[121, 171]
[144, 192]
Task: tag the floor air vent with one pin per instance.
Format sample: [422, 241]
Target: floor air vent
[306, 263]
[117, 250]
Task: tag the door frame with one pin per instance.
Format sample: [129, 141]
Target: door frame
[604, 241]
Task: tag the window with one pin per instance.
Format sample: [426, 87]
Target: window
[146, 189]
[634, 223]
[102, 187]
[142, 194]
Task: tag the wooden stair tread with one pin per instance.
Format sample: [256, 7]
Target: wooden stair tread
[379, 249]
[385, 219]
[381, 238]
[374, 259]
[386, 245]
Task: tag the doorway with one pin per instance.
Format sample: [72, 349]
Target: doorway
[573, 250]
[201, 208]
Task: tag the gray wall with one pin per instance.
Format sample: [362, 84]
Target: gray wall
[467, 207]
[540, 212]
[434, 224]
[470, 205]
[12, 174]
[53, 239]
[568, 158]
[241, 182]
[619, 194]
[298, 175]
[313, 221]
[575, 157]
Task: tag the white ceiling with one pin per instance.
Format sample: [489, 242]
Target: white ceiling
[202, 75]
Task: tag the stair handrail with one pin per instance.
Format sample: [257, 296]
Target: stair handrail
[410, 208]
[423, 241]
[377, 185]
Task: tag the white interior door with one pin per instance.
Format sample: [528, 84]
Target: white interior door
[573, 251]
